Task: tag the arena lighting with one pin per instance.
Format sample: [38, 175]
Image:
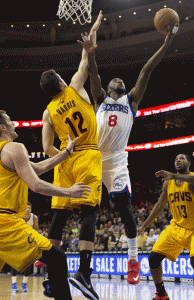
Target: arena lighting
[140, 113]
[162, 143]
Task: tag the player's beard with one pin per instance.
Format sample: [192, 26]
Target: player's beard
[181, 170]
[120, 91]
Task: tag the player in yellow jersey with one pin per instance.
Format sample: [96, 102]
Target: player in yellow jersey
[178, 191]
[70, 112]
[20, 244]
[32, 220]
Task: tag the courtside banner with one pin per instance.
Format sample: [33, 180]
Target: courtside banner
[165, 108]
[113, 264]
[162, 143]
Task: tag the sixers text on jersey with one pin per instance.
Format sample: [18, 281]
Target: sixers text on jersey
[115, 107]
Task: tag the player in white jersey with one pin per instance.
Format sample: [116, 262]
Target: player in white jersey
[112, 117]
[31, 220]
[115, 113]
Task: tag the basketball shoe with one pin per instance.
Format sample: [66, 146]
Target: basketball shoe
[82, 282]
[164, 297]
[24, 287]
[14, 288]
[47, 292]
[133, 272]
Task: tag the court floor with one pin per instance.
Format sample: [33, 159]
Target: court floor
[114, 289]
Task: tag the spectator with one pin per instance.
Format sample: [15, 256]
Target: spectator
[111, 218]
[141, 241]
[151, 239]
[103, 219]
[65, 242]
[105, 241]
[117, 237]
[99, 237]
[159, 223]
[109, 225]
[118, 247]
[120, 226]
[123, 239]
[74, 240]
[111, 246]
[157, 233]
[73, 248]
[115, 221]
[101, 228]
[74, 227]
[111, 237]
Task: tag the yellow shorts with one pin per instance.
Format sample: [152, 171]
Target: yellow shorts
[173, 240]
[82, 166]
[20, 244]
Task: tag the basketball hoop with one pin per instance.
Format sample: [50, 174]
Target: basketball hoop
[76, 10]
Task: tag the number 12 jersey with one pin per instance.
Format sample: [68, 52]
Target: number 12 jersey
[71, 114]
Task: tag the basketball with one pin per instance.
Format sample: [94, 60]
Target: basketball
[164, 18]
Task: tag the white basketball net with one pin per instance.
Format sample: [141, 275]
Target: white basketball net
[76, 10]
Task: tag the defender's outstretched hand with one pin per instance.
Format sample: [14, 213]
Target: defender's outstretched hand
[87, 43]
[97, 24]
[164, 174]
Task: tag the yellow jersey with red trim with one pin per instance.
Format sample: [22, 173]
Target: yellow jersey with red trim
[181, 201]
[13, 190]
[71, 114]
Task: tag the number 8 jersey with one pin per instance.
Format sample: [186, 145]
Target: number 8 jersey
[70, 113]
[114, 123]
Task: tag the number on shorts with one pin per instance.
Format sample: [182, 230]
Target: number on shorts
[112, 120]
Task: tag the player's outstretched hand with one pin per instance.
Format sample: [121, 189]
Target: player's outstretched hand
[172, 31]
[97, 24]
[79, 190]
[164, 174]
[87, 43]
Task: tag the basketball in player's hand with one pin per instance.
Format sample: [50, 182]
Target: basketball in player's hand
[164, 19]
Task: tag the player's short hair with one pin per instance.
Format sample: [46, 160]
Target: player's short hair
[187, 157]
[30, 204]
[49, 82]
[2, 118]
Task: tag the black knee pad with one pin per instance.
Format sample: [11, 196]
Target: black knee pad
[192, 261]
[122, 202]
[155, 260]
[88, 222]
[59, 220]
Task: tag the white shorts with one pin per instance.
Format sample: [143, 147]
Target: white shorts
[116, 180]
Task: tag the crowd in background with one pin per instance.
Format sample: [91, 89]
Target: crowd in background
[110, 233]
